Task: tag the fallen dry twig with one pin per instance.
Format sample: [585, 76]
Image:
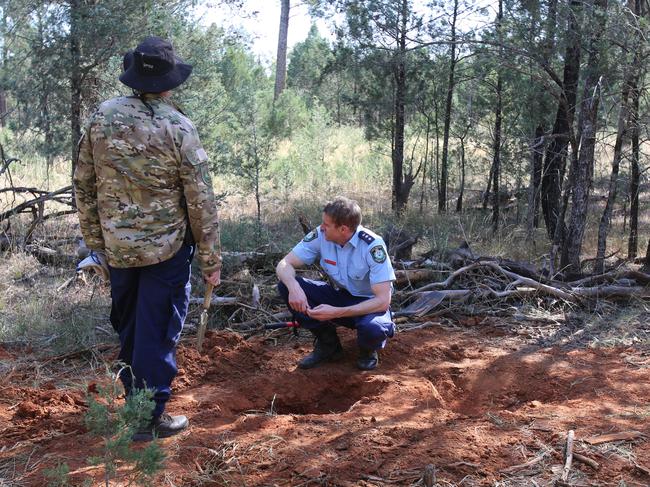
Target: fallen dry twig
[622, 435]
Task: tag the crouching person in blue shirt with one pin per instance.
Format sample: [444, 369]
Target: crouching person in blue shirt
[361, 274]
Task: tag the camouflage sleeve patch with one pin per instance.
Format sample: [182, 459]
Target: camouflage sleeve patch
[378, 254]
[201, 205]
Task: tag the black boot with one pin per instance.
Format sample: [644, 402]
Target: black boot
[163, 426]
[368, 359]
[327, 348]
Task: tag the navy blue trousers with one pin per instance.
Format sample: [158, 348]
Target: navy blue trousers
[149, 306]
[373, 329]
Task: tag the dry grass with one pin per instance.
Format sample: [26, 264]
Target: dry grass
[33, 310]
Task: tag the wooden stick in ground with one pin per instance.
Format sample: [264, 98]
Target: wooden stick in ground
[568, 455]
[203, 322]
[429, 476]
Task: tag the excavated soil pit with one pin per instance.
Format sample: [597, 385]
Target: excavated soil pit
[327, 398]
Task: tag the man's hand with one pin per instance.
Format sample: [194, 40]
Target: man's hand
[213, 278]
[298, 300]
[324, 312]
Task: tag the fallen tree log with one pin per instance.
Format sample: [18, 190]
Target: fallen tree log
[612, 292]
[48, 256]
[613, 276]
[411, 276]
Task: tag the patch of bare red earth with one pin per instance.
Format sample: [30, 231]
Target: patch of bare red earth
[471, 402]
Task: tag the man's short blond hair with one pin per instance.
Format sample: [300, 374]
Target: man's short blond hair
[344, 211]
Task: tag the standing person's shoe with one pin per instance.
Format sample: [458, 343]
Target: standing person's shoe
[327, 348]
[368, 359]
[163, 426]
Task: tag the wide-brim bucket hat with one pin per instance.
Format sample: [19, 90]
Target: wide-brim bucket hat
[153, 67]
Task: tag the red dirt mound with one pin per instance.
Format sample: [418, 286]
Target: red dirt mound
[474, 402]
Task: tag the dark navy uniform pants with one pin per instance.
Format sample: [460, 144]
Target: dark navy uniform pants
[149, 306]
[372, 329]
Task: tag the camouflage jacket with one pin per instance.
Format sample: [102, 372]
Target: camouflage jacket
[140, 178]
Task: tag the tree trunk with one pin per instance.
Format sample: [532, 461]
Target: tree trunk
[538, 145]
[281, 60]
[555, 163]
[436, 124]
[426, 163]
[75, 81]
[537, 159]
[496, 161]
[635, 173]
[442, 194]
[486, 195]
[621, 134]
[3, 63]
[401, 188]
[461, 191]
[582, 182]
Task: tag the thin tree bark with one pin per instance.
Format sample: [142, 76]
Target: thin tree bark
[281, 59]
[635, 173]
[537, 160]
[621, 135]
[75, 81]
[444, 175]
[498, 116]
[486, 194]
[582, 182]
[426, 163]
[556, 153]
[538, 145]
[461, 191]
[401, 183]
[3, 63]
[496, 161]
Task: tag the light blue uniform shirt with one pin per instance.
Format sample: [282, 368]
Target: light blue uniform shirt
[362, 262]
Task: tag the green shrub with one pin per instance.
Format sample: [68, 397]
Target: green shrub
[115, 423]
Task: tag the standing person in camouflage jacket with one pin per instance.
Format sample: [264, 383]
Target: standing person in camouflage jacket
[145, 198]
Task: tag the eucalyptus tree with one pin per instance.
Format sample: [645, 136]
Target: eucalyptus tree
[562, 133]
[382, 35]
[582, 167]
[632, 56]
[641, 13]
[281, 58]
[453, 60]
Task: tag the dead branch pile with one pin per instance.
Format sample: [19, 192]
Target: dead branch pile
[463, 284]
[41, 204]
[489, 281]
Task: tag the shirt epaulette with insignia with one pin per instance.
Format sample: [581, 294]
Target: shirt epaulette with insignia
[366, 237]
